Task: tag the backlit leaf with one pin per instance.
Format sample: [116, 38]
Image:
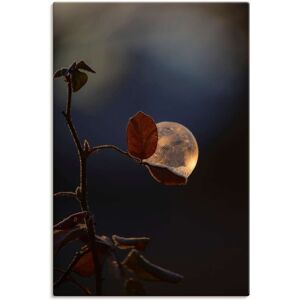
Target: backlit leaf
[61, 72]
[72, 67]
[165, 176]
[139, 243]
[142, 136]
[71, 221]
[83, 66]
[79, 79]
[84, 265]
[145, 270]
[63, 237]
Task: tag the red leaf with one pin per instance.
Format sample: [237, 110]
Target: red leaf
[63, 237]
[84, 265]
[165, 176]
[142, 136]
[71, 221]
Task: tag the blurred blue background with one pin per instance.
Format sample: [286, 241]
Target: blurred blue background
[176, 62]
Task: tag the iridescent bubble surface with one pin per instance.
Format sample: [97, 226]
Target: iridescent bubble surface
[177, 149]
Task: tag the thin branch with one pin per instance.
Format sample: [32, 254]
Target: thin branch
[98, 148]
[69, 101]
[90, 222]
[85, 290]
[101, 147]
[83, 189]
[67, 272]
[65, 194]
[73, 133]
[68, 118]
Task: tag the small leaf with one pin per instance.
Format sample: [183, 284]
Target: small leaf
[165, 176]
[142, 136]
[64, 237]
[61, 72]
[72, 67]
[145, 270]
[79, 79]
[134, 288]
[84, 265]
[83, 66]
[71, 221]
[139, 243]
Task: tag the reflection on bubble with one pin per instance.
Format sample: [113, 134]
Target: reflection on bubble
[177, 149]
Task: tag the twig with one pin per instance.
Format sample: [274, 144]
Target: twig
[73, 133]
[65, 194]
[67, 272]
[75, 282]
[101, 147]
[83, 188]
[98, 148]
[69, 101]
[83, 154]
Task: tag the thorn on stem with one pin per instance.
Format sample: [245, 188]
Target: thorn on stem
[78, 192]
[86, 147]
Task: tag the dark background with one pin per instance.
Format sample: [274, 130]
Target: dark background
[176, 62]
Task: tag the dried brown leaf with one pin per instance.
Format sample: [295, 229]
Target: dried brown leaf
[139, 243]
[84, 266]
[71, 221]
[64, 237]
[145, 270]
[165, 176]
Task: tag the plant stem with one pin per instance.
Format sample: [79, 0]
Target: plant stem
[83, 189]
[89, 222]
[113, 147]
[98, 148]
[75, 282]
[65, 194]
